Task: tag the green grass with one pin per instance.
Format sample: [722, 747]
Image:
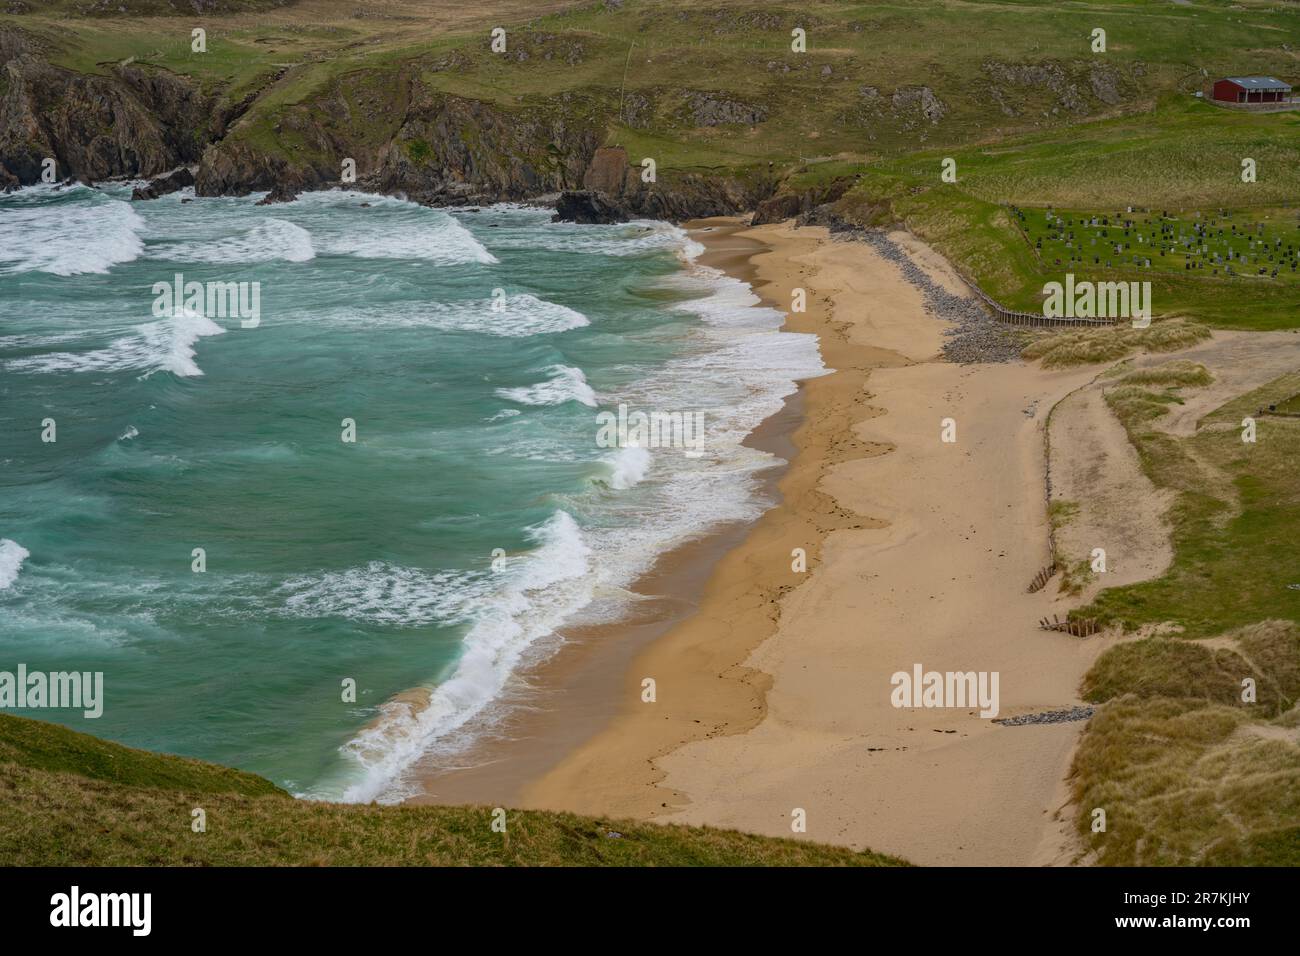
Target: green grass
[69, 799]
[52, 749]
[1087, 346]
[1178, 374]
[1145, 240]
[1032, 117]
[1235, 520]
[1187, 771]
[1183, 784]
[1178, 156]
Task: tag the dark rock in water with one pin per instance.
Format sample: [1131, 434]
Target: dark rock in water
[171, 182]
[365, 205]
[588, 208]
[188, 199]
[279, 193]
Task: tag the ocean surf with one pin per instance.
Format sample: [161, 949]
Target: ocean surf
[397, 479]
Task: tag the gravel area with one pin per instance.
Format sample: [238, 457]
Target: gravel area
[975, 336]
[1049, 717]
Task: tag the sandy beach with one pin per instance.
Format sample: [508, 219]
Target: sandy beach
[775, 695]
[773, 675]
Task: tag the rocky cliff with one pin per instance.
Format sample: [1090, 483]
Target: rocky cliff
[132, 121]
[399, 135]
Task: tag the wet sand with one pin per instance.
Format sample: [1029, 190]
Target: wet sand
[568, 696]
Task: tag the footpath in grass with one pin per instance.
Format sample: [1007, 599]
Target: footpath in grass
[1194, 754]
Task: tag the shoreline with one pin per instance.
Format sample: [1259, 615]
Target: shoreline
[561, 702]
[720, 695]
[775, 696]
[773, 683]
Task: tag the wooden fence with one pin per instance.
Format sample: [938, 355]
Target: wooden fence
[1081, 627]
[1034, 319]
[1042, 577]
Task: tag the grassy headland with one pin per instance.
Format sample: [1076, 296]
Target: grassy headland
[1013, 92]
[70, 799]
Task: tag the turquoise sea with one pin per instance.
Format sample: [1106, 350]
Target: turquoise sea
[472, 350]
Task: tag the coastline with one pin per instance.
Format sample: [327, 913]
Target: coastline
[774, 695]
[560, 703]
[716, 694]
[567, 700]
[773, 685]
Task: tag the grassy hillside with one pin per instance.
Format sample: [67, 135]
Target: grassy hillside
[1187, 770]
[1181, 157]
[1235, 521]
[1012, 92]
[71, 799]
[991, 70]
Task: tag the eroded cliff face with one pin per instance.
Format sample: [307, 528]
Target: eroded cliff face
[614, 188]
[408, 139]
[133, 121]
[401, 136]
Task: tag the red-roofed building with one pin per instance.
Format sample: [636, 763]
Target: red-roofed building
[1251, 89]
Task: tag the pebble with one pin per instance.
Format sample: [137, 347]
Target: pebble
[975, 336]
[1049, 717]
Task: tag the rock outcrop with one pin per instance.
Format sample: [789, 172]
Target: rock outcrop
[172, 182]
[280, 193]
[133, 122]
[793, 203]
[382, 130]
[614, 191]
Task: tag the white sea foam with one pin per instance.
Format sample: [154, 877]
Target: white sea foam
[526, 228]
[167, 345]
[738, 370]
[267, 241]
[538, 592]
[566, 384]
[385, 594]
[390, 229]
[628, 466]
[523, 315]
[12, 556]
[68, 237]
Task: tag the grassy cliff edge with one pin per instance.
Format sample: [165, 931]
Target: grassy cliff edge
[70, 799]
